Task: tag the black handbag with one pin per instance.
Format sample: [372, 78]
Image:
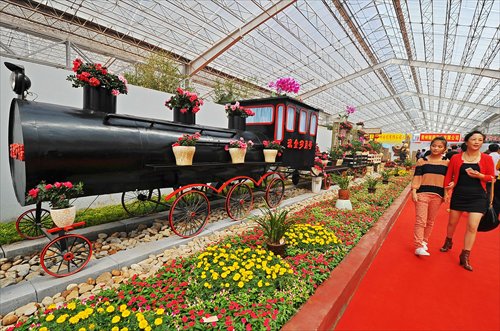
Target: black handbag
[489, 221]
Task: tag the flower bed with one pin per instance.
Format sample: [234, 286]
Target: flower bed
[219, 287]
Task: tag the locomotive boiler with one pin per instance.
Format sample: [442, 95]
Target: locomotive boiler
[113, 153]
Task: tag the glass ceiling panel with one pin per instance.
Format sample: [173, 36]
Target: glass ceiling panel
[322, 44]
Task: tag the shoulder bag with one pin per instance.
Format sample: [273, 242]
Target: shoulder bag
[489, 221]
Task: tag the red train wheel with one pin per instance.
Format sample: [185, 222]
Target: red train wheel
[239, 201]
[327, 182]
[189, 213]
[275, 192]
[29, 228]
[66, 255]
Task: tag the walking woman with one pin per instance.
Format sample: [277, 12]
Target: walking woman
[428, 193]
[468, 172]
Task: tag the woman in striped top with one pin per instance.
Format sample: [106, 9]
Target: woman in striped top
[428, 193]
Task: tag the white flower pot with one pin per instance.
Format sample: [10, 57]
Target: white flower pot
[339, 162]
[63, 217]
[325, 162]
[316, 184]
[238, 154]
[184, 155]
[270, 155]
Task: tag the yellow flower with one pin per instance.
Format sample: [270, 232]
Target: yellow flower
[74, 320]
[123, 307]
[143, 323]
[61, 319]
[124, 329]
[115, 328]
[49, 317]
[126, 313]
[100, 310]
[110, 309]
[52, 306]
[82, 329]
[160, 311]
[158, 321]
[43, 329]
[72, 305]
[140, 317]
[241, 284]
[92, 326]
[115, 319]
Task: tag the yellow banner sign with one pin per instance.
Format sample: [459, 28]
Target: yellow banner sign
[391, 137]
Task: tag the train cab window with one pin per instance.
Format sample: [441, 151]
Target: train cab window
[263, 115]
[313, 124]
[280, 119]
[290, 119]
[302, 121]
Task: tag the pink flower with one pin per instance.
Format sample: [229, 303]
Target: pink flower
[115, 92]
[68, 184]
[184, 110]
[48, 186]
[57, 184]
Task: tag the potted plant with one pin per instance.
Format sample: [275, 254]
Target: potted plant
[285, 85]
[408, 164]
[343, 182]
[371, 183]
[272, 149]
[100, 87]
[238, 149]
[58, 195]
[385, 176]
[185, 105]
[236, 116]
[274, 225]
[336, 154]
[184, 148]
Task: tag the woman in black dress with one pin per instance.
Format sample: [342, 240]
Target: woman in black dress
[468, 173]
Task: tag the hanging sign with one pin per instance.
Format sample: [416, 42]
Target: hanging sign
[450, 137]
[391, 138]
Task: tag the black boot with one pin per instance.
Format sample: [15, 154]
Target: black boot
[464, 260]
[448, 244]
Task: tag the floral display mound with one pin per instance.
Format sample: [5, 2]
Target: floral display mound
[234, 284]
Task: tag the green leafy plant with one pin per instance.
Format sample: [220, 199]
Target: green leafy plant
[371, 182]
[342, 181]
[386, 174]
[336, 152]
[408, 163]
[274, 224]
[230, 90]
[159, 72]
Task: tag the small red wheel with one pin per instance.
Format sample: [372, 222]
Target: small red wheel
[239, 201]
[189, 213]
[66, 255]
[28, 227]
[275, 192]
[327, 182]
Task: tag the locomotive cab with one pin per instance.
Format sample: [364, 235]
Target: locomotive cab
[293, 123]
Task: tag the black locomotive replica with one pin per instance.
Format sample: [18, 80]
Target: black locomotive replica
[112, 153]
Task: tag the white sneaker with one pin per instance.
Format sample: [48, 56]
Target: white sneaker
[421, 251]
[424, 245]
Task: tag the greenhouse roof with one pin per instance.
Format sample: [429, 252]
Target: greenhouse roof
[407, 66]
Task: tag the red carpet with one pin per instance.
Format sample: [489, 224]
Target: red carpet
[401, 291]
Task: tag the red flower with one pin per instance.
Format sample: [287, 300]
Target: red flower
[48, 186]
[94, 81]
[33, 193]
[68, 184]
